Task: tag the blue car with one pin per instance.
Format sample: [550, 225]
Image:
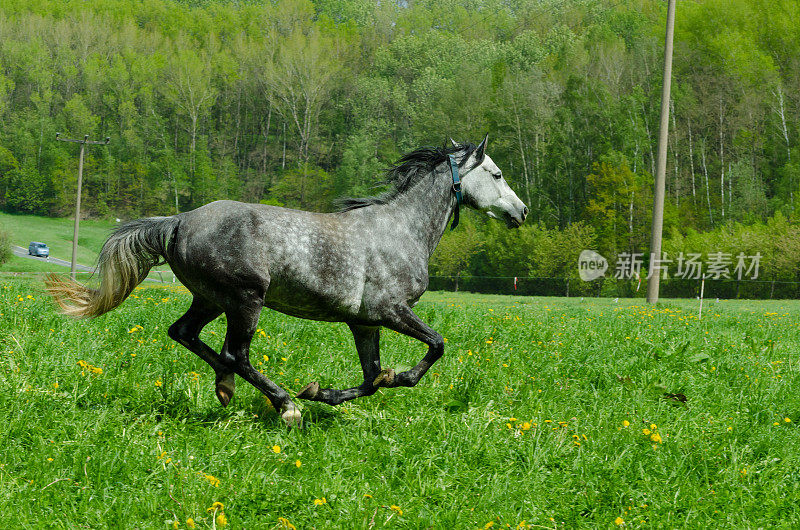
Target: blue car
[38, 249]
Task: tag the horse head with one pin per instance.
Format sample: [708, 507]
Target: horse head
[485, 189]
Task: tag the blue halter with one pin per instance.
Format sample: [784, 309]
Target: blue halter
[456, 189]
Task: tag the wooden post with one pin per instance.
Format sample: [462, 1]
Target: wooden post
[702, 288]
[73, 266]
[74, 263]
[661, 168]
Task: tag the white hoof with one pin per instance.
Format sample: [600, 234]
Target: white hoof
[293, 418]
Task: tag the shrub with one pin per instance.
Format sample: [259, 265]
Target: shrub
[5, 247]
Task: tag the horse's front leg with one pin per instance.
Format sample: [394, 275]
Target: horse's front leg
[403, 320]
[367, 340]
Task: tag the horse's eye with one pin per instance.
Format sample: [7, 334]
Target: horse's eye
[497, 176]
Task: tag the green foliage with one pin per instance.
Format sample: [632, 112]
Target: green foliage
[5, 246]
[247, 100]
[306, 189]
[360, 166]
[777, 241]
[618, 205]
[28, 191]
[535, 250]
[455, 250]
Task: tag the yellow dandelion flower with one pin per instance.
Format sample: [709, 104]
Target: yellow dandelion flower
[214, 481]
[276, 449]
[176, 525]
[646, 432]
[488, 525]
[776, 423]
[285, 524]
[222, 520]
[619, 521]
[190, 523]
[653, 426]
[367, 496]
[49, 459]
[655, 437]
[396, 509]
[626, 423]
[159, 383]
[298, 463]
[787, 420]
[216, 506]
[526, 425]
[320, 502]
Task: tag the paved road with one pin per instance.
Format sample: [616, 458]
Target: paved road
[23, 253]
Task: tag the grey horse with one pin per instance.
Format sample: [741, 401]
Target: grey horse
[365, 265]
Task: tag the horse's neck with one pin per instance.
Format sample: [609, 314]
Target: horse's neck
[425, 209]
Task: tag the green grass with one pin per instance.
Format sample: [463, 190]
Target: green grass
[27, 265]
[57, 233]
[523, 419]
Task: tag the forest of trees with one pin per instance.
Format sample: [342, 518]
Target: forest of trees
[297, 102]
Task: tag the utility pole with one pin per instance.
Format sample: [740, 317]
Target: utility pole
[73, 265]
[661, 168]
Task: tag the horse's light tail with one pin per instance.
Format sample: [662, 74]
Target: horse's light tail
[126, 258]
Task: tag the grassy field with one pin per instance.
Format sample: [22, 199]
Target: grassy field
[57, 233]
[543, 413]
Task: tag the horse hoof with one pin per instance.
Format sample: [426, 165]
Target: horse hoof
[224, 390]
[309, 391]
[292, 417]
[385, 378]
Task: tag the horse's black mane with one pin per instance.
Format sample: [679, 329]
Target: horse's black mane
[407, 171]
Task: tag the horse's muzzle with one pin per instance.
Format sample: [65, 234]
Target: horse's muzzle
[515, 220]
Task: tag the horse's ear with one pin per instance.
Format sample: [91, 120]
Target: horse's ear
[480, 152]
[455, 144]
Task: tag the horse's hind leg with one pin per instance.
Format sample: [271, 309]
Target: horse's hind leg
[242, 323]
[186, 331]
[367, 345]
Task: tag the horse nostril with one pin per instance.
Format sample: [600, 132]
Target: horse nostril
[524, 212]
